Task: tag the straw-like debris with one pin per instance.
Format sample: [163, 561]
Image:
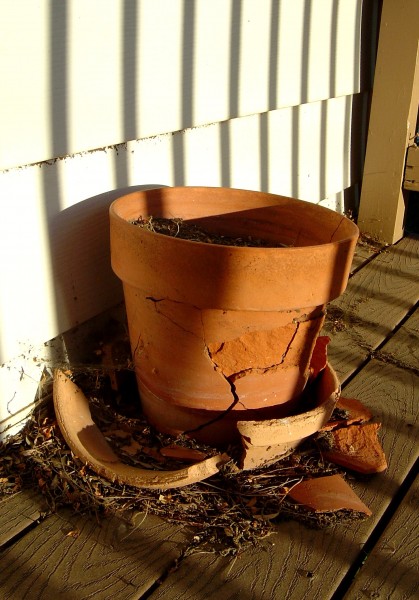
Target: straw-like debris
[227, 512]
[194, 233]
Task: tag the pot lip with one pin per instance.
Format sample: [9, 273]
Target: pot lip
[239, 249]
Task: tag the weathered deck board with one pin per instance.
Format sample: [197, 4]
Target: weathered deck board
[363, 252]
[73, 557]
[283, 570]
[377, 298]
[18, 513]
[403, 347]
[392, 568]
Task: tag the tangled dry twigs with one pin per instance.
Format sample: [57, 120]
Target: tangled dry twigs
[227, 512]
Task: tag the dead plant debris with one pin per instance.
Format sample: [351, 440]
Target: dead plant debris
[190, 231]
[336, 319]
[371, 243]
[227, 512]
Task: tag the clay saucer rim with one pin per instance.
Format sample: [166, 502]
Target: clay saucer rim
[89, 444]
[296, 427]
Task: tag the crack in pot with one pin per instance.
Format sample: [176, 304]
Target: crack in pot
[157, 301]
[290, 343]
[222, 414]
[236, 399]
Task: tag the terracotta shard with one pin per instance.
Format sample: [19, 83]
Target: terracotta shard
[357, 413]
[358, 448]
[319, 357]
[268, 440]
[263, 350]
[89, 444]
[254, 457]
[328, 494]
[255, 350]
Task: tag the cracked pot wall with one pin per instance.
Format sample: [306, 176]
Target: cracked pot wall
[190, 369]
[220, 333]
[270, 366]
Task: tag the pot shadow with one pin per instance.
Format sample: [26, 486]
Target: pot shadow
[80, 259]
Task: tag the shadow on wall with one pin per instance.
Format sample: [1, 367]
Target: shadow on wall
[79, 235]
[356, 107]
[81, 264]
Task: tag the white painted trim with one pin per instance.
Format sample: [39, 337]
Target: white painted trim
[394, 112]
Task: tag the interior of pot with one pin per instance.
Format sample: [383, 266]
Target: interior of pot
[227, 211]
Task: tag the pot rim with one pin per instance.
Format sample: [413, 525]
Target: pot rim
[196, 273]
[113, 209]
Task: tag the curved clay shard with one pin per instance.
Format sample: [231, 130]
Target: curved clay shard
[357, 447]
[327, 494]
[318, 360]
[88, 443]
[266, 441]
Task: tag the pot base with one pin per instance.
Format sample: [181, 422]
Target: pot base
[211, 427]
[260, 428]
[267, 441]
[283, 435]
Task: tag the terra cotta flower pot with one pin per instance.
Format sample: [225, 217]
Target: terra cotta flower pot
[221, 334]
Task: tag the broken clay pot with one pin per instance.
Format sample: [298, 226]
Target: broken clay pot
[221, 334]
[90, 445]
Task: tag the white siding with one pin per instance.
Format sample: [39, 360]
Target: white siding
[54, 230]
[80, 75]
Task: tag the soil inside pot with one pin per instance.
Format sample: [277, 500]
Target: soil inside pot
[184, 230]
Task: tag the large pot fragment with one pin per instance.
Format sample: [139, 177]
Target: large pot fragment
[328, 494]
[89, 444]
[266, 441]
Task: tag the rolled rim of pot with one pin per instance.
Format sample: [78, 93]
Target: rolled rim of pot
[89, 444]
[310, 271]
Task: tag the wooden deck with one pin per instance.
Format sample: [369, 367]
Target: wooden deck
[375, 350]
